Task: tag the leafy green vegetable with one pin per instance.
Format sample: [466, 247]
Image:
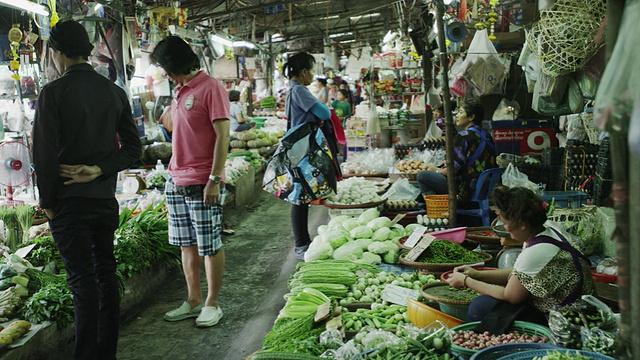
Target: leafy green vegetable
[53, 302]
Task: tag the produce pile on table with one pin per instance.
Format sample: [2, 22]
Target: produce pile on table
[141, 241]
[235, 168]
[369, 162]
[355, 191]
[368, 238]
[447, 252]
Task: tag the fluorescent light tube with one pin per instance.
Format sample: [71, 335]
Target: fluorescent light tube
[218, 38]
[243, 43]
[26, 5]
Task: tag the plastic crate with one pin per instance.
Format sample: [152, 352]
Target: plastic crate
[566, 199]
[437, 206]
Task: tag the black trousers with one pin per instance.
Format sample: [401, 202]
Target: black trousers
[83, 230]
[300, 224]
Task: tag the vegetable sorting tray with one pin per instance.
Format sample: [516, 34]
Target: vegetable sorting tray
[432, 297]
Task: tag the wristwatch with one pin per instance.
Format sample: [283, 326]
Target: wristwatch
[215, 178]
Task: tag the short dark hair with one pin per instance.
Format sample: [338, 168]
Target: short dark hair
[322, 81]
[474, 107]
[519, 204]
[344, 92]
[298, 62]
[175, 56]
[234, 95]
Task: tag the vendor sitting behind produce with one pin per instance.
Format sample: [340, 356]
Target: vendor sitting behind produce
[548, 272]
[238, 121]
[474, 153]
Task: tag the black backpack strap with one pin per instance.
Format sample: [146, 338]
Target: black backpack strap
[483, 143]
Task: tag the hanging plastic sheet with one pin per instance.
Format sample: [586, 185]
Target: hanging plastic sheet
[620, 84]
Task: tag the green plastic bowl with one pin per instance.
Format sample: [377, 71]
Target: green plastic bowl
[520, 326]
[259, 122]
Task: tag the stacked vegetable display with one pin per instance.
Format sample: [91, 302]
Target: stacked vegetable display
[368, 238]
[254, 140]
[355, 191]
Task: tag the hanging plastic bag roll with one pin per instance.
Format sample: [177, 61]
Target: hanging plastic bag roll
[373, 122]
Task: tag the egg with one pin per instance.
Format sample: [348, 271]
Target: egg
[445, 221]
[439, 222]
[419, 219]
[432, 221]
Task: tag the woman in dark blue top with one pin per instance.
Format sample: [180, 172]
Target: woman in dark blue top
[474, 152]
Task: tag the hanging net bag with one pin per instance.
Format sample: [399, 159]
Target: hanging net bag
[567, 35]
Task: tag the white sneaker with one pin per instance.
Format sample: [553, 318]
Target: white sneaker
[183, 312]
[209, 316]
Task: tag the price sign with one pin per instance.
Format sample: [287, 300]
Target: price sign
[397, 218]
[420, 247]
[415, 236]
[398, 294]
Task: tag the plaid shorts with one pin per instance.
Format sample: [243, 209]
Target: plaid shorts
[192, 223]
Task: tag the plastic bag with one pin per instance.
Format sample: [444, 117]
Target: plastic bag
[15, 116]
[575, 128]
[482, 67]
[512, 177]
[566, 322]
[600, 341]
[417, 104]
[552, 89]
[433, 98]
[373, 122]
[433, 132]
[506, 110]
[620, 83]
[572, 103]
[401, 190]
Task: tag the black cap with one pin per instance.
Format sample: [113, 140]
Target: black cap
[71, 38]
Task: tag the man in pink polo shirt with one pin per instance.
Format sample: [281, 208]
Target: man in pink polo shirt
[195, 192]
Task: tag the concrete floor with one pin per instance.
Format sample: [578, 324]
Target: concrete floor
[259, 261]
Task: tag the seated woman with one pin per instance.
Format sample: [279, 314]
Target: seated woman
[238, 121]
[474, 153]
[548, 271]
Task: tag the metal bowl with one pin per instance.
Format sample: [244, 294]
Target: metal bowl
[501, 231]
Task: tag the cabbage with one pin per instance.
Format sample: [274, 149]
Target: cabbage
[392, 246]
[361, 232]
[318, 251]
[349, 251]
[378, 247]
[391, 257]
[371, 258]
[367, 216]
[379, 222]
[337, 221]
[364, 243]
[322, 229]
[336, 238]
[411, 228]
[381, 234]
[350, 224]
[396, 234]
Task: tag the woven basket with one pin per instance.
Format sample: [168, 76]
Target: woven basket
[437, 206]
[438, 299]
[498, 351]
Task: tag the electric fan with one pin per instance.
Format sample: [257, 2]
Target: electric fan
[15, 168]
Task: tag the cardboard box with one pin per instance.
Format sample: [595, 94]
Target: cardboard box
[522, 136]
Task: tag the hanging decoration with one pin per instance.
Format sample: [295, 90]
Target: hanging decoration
[486, 16]
[15, 35]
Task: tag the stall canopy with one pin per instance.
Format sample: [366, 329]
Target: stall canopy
[300, 25]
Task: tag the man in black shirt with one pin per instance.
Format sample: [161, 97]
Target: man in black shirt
[83, 135]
